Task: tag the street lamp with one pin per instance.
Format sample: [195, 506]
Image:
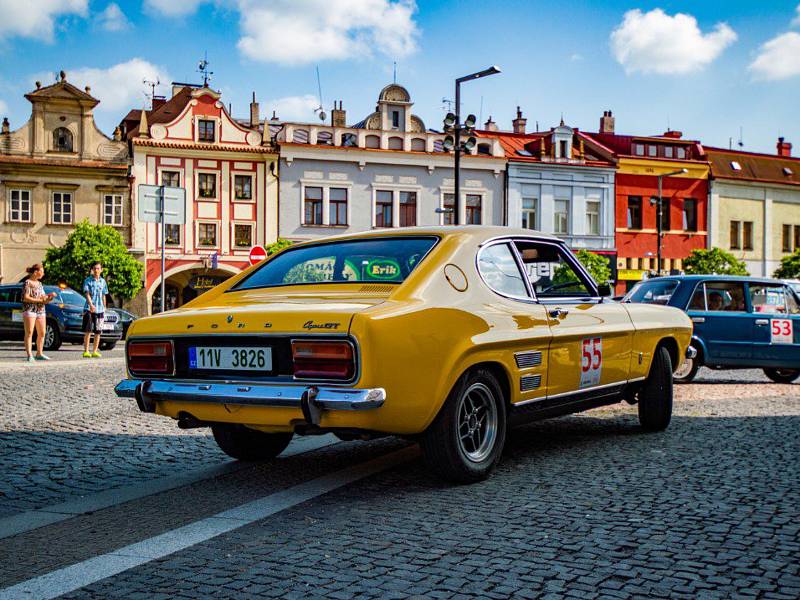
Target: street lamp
[452, 122]
[659, 232]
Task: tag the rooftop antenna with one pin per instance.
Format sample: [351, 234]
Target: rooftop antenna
[741, 138]
[480, 112]
[152, 85]
[202, 67]
[447, 105]
[320, 109]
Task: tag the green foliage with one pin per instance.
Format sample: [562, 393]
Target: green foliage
[89, 243]
[277, 246]
[305, 273]
[790, 266]
[594, 263]
[713, 262]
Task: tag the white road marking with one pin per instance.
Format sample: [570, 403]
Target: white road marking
[55, 513]
[74, 577]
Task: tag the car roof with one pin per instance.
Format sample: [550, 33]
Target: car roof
[737, 278]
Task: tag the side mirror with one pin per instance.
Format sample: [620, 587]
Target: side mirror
[604, 289]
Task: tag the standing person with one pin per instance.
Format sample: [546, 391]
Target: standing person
[33, 311]
[95, 290]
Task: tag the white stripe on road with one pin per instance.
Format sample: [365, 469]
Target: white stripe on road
[55, 513]
[94, 569]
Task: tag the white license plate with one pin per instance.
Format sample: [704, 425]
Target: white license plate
[230, 358]
[108, 326]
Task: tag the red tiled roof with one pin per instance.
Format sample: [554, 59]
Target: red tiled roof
[768, 168]
[165, 113]
[621, 144]
[530, 143]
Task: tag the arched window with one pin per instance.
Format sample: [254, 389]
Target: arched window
[300, 136]
[418, 145]
[62, 140]
[373, 141]
[395, 143]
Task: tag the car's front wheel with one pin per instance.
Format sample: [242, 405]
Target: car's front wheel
[687, 370]
[465, 441]
[247, 444]
[782, 375]
[52, 337]
[655, 397]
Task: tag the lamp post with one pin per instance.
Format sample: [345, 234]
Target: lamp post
[659, 232]
[457, 128]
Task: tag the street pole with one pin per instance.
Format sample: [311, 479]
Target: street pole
[457, 158]
[658, 228]
[163, 243]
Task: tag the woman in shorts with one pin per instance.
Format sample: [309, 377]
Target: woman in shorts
[33, 312]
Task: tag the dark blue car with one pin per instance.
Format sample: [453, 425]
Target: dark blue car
[739, 322]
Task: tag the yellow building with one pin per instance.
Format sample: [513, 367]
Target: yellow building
[56, 170]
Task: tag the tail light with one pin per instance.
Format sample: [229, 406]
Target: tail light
[323, 360]
[150, 358]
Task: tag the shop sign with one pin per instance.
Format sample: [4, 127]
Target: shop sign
[202, 283]
[631, 274]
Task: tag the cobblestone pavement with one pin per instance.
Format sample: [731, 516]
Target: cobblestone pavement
[582, 506]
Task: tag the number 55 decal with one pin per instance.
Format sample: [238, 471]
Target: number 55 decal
[591, 361]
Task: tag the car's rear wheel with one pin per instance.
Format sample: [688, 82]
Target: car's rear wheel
[782, 375]
[107, 345]
[655, 397]
[687, 370]
[247, 444]
[52, 337]
[465, 441]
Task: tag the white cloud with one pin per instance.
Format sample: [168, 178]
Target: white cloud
[112, 18]
[576, 57]
[293, 108]
[779, 58]
[293, 32]
[3, 108]
[36, 19]
[172, 8]
[796, 20]
[655, 42]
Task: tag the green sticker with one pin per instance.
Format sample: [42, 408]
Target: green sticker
[385, 269]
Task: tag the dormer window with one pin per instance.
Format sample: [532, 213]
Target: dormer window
[680, 153]
[206, 130]
[563, 149]
[787, 171]
[736, 166]
[62, 140]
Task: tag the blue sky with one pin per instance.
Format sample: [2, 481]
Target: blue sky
[705, 68]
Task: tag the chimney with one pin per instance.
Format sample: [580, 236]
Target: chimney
[177, 88]
[117, 134]
[338, 115]
[607, 122]
[490, 125]
[784, 148]
[675, 135]
[158, 102]
[254, 116]
[518, 124]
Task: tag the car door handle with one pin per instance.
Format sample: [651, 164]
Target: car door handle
[762, 321]
[557, 313]
[698, 319]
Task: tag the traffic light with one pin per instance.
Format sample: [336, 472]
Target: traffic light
[448, 143]
[449, 122]
[469, 123]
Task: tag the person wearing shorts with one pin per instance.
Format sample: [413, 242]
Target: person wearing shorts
[95, 290]
[33, 312]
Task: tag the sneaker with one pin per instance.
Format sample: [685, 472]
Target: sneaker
[87, 355]
[30, 359]
[96, 355]
[41, 357]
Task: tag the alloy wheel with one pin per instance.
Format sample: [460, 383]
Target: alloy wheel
[477, 422]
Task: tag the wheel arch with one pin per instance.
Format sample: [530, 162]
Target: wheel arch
[671, 344]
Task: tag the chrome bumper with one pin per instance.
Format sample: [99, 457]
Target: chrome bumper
[691, 352]
[310, 399]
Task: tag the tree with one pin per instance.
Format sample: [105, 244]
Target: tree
[594, 263]
[790, 267]
[277, 246]
[89, 243]
[713, 262]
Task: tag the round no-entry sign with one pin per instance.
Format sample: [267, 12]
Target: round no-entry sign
[257, 254]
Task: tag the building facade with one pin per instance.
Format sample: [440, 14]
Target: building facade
[57, 170]
[384, 171]
[229, 174]
[754, 209]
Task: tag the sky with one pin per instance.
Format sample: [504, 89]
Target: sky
[720, 71]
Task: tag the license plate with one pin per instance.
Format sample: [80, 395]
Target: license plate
[108, 326]
[230, 358]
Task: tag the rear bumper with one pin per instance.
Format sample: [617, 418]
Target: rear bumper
[310, 399]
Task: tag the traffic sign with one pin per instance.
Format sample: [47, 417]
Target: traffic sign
[150, 204]
[257, 254]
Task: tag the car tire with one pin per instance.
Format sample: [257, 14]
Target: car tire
[465, 441]
[107, 345]
[52, 337]
[687, 370]
[655, 397]
[782, 375]
[243, 443]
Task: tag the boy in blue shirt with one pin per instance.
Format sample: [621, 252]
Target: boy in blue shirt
[95, 290]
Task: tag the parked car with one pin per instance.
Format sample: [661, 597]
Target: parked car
[125, 319]
[64, 318]
[739, 322]
[444, 335]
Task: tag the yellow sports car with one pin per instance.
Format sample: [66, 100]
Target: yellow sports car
[445, 335]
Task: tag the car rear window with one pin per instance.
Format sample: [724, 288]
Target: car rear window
[384, 260]
[652, 292]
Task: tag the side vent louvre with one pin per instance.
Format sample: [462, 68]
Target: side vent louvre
[375, 289]
[529, 382]
[525, 360]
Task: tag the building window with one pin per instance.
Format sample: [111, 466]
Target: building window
[473, 209]
[208, 185]
[395, 143]
[449, 204]
[408, 209]
[652, 151]
[338, 206]
[562, 149]
[372, 141]
[735, 235]
[207, 234]
[634, 212]
[747, 235]
[690, 214]
[243, 187]
[62, 208]
[206, 130]
[242, 235]
[665, 220]
[383, 208]
[786, 238]
[171, 178]
[638, 149]
[797, 237]
[19, 206]
[172, 234]
[312, 206]
[593, 217]
[680, 153]
[62, 140]
[668, 151]
[529, 213]
[395, 119]
[112, 209]
[560, 216]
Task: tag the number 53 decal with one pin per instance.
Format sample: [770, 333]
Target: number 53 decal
[782, 331]
[591, 361]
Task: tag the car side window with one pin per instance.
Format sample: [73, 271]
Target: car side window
[550, 273]
[792, 303]
[500, 272]
[11, 294]
[768, 298]
[725, 296]
[5, 295]
[698, 298]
